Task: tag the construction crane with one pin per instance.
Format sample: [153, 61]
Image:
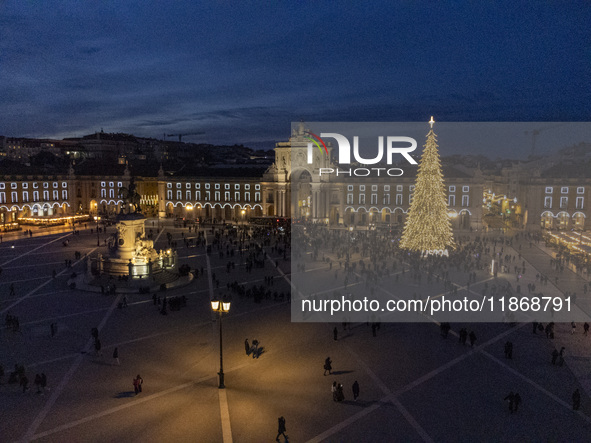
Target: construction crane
[180, 136]
[534, 136]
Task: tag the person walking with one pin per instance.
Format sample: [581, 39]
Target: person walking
[43, 381]
[38, 383]
[555, 355]
[340, 393]
[516, 401]
[333, 389]
[335, 333]
[573, 327]
[97, 347]
[511, 399]
[247, 347]
[561, 356]
[24, 383]
[328, 366]
[281, 428]
[585, 328]
[355, 389]
[116, 356]
[137, 384]
[576, 400]
[472, 338]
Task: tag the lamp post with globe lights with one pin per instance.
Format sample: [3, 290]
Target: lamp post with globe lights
[220, 307]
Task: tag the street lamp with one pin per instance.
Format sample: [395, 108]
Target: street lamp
[98, 242]
[220, 307]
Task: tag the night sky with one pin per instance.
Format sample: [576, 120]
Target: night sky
[243, 71]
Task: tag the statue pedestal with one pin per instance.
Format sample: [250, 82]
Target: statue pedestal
[130, 229]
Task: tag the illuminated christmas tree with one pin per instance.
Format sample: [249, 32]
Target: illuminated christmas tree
[428, 227]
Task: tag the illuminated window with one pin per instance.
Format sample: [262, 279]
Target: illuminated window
[227, 186]
[386, 199]
[217, 195]
[188, 195]
[452, 189]
[188, 185]
[247, 196]
[56, 195]
[206, 185]
[103, 193]
[563, 202]
[349, 187]
[237, 196]
[46, 185]
[237, 186]
[246, 186]
[13, 185]
[35, 196]
[35, 185]
[374, 198]
[64, 185]
[45, 195]
[178, 185]
[549, 190]
[362, 198]
[451, 200]
[217, 186]
[207, 195]
[466, 189]
[25, 185]
[580, 190]
[362, 187]
[257, 196]
[227, 196]
[111, 193]
[350, 198]
[119, 184]
[179, 195]
[197, 195]
[2, 197]
[398, 188]
[64, 194]
[25, 196]
[257, 187]
[2, 185]
[169, 185]
[14, 196]
[411, 188]
[579, 203]
[398, 199]
[102, 184]
[564, 190]
[111, 184]
[465, 200]
[387, 188]
[169, 194]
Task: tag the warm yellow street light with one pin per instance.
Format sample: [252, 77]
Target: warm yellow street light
[220, 308]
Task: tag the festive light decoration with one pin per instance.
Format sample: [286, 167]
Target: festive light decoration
[428, 227]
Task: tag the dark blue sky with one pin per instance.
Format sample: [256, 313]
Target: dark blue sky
[242, 71]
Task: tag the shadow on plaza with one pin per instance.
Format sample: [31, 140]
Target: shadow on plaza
[340, 372]
[257, 352]
[125, 394]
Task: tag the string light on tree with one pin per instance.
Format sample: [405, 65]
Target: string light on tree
[428, 227]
